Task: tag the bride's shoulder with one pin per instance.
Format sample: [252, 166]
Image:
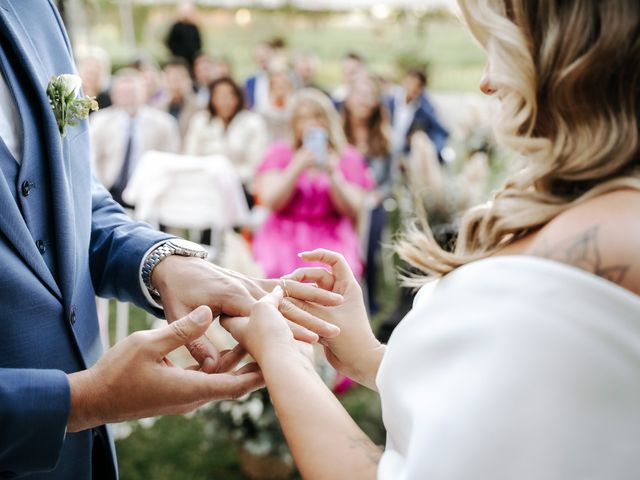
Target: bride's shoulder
[601, 236]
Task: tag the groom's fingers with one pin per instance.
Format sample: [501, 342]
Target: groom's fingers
[201, 349]
[187, 330]
[203, 352]
[193, 386]
[230, 359]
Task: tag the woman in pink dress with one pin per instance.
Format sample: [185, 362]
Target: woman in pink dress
[314, 188]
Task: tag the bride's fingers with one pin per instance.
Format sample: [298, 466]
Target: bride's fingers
[236, 326]
[321, 277]
[302, 334]
[303, 314]
[274, 298]
[336, 261]
[311, 293]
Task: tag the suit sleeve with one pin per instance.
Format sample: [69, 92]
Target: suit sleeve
[117, 249]
[437, 133]
[34, 410]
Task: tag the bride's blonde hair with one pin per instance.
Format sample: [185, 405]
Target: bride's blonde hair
[568, 74]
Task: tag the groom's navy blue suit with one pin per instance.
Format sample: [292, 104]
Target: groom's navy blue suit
[62, 240]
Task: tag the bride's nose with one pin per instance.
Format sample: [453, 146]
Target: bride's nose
[486, 86]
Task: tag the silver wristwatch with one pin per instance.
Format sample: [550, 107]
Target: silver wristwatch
[175, 246]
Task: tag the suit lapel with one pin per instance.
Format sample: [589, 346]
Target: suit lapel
[53, 165]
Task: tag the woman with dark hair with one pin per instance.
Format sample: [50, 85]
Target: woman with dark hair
[226, 128]
[366, 125]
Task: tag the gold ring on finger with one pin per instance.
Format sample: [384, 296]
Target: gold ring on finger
[284, 287]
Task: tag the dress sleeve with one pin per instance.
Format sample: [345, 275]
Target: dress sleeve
[277, 157]
[355, 169]
[495, 397]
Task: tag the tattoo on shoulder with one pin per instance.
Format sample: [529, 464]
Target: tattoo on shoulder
[365, 445]
[583, 251]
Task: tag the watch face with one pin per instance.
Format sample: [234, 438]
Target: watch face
[182, 244]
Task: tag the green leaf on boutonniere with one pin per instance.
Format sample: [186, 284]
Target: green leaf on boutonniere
[68, 107]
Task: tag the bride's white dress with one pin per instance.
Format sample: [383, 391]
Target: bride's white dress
[514, 368]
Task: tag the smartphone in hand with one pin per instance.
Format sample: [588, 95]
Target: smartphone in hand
[316, 140]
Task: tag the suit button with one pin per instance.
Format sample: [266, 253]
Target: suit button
[26, 188]
[73, 315]
[42, 247]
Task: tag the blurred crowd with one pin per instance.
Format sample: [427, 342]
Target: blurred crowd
[317, 165]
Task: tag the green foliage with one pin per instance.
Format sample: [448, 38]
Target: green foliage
[196, 448]
[177, 448]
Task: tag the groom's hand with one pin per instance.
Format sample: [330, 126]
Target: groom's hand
[134, 379]
[184, 283]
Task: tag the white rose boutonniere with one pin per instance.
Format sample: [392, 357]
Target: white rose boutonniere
[63, 92]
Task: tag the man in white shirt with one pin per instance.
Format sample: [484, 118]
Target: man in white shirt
[122, 133]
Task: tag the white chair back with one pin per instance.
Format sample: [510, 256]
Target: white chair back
[187, 192]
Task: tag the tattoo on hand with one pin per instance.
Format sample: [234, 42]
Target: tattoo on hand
[365, 445]
[583, 252]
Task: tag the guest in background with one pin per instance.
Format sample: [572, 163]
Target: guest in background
[122, 133]
[222, 67]
[184, 39]
[178, 98]
[226, 128]
[367, 127]
[276, 112]
[203, 76]
[353, 66]
[315, 197]
[256, 87]
[152, 76]
[305, 68]
[206, 70]
[411, 111]
[94, 67]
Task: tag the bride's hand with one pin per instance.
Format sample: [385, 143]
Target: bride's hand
[266, 330]
[355, 352]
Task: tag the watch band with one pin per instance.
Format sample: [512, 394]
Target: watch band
[152, 260]
[177, 246]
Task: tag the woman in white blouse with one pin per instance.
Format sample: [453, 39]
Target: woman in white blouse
[522, 359]
[226, 128]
